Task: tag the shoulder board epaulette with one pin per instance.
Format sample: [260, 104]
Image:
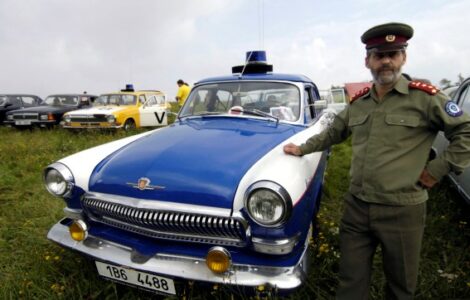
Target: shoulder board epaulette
[428, 88]
[359, 94]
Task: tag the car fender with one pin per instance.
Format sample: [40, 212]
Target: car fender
[293, 173]
[83, 163]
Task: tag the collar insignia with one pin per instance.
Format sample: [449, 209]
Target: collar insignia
[144, 184]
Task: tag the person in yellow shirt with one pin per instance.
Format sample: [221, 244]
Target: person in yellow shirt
[183, 92]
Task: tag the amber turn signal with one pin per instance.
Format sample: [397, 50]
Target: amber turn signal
[78, 230]
[218, 260]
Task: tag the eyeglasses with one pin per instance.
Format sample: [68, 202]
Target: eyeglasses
[381, 55]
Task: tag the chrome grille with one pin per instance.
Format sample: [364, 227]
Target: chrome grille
[26, 116]
[85, 118]
[181, 226]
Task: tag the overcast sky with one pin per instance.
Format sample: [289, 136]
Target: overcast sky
[68, 46]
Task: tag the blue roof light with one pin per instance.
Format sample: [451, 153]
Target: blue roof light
[255, 63]
[253, 57]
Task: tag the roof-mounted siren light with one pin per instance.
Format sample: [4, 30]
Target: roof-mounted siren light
[255, 63]
[129, 88]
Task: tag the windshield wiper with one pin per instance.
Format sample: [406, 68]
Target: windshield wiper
[256, 112]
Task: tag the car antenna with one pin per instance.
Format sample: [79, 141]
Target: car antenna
[246, 63]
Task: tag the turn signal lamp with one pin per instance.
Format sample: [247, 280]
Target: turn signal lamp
[78, 230]
[50, 117]
[218, 260]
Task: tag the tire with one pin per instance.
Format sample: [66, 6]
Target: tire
[129, 124]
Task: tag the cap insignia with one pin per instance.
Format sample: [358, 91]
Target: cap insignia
[390, 38]
[428, 88]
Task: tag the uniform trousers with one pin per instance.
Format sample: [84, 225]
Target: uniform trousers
[399, 232]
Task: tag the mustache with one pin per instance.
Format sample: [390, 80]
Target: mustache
[385, 68]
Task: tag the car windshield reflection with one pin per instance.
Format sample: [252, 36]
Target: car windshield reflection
[265, 99]
[62, 100]
[115, 99]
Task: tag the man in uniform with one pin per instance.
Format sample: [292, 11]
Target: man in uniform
[183, 92]
[392, 127]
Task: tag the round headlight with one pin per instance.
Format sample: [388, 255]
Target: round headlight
[268, 204]
[67, 119]
[111, 118]
[58, 180]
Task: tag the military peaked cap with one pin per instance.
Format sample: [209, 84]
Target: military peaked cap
[387, 37]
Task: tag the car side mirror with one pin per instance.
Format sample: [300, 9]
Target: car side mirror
[320, 104]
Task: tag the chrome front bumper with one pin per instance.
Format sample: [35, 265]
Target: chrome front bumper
[183, 267]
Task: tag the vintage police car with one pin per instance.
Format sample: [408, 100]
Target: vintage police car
[125, 109]
[49, 113]
[211, 198]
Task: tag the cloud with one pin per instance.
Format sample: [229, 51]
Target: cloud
[53, 46]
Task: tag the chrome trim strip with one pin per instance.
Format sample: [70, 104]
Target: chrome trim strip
[275, 247]
[184, 267]
[73, 213]
[161, 205]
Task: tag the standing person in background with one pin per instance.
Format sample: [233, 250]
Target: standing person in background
[183, 92]
[392, 127]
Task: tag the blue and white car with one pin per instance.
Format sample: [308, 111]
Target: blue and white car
[211, 198]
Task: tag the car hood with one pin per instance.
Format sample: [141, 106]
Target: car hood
[46, 109]
[99, 110]
[198, 161]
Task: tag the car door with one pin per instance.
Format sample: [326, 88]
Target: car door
[153, 112]
[463, 180]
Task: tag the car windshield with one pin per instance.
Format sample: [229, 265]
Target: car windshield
[62, 100]
[3, 100]
[280, 100]
[115, 99]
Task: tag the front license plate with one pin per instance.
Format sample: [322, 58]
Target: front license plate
[137, 278]
[23, 122]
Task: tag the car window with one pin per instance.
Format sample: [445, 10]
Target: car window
[142, 99]
[62, 100]
[84, 100]
[101, 100]
[309, 111]
[465, 99]
[281, 100]
[121, 99]
[29, 101]
[3, 100]
[156, 100]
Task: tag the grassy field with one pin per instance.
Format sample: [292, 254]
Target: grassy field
[31, 267]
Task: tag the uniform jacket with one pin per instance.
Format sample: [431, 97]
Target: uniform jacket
[391, 141]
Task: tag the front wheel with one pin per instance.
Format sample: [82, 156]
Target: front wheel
[129, 125]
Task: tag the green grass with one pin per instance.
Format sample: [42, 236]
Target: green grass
[31, 267]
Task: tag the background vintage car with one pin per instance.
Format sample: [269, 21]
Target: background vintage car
[125, 109]
[462, 181]
[10, 102]
[210, 198]
[50, 112]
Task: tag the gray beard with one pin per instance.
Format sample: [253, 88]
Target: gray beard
[386, 79]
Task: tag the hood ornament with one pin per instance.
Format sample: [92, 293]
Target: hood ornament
[144, 184]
